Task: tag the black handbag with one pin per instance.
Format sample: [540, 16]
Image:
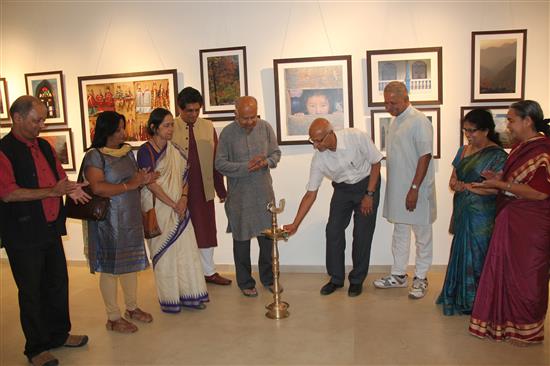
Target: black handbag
[94, 210]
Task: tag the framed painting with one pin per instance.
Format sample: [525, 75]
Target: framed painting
[49, 88]
[4, 103]
[309, 88]
[134, 95]
[419, 68]
[220, 122]
[380, 123]
[62, 142]
[223, 78]
[498, 65]
[501, 122]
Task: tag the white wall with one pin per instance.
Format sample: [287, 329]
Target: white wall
[101, 38]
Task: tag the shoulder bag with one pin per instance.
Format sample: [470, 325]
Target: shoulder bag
[95, 209]
[151, 227]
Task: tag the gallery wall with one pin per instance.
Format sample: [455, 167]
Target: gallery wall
[92, 38]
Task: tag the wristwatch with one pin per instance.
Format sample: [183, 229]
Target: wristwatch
[370, 193]
[414, 186]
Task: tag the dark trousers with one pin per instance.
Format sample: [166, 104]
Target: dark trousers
[346, 200]
[41, 277]
[243, 268]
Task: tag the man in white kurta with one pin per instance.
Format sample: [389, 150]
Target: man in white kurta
[410, 190]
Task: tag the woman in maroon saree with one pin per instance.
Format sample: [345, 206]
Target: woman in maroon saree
[512, 297]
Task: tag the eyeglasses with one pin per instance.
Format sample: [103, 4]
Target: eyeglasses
[313, 142]
[470, 130]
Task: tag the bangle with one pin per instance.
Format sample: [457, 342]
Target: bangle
[125, 186]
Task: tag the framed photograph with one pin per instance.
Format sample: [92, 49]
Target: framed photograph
[309, 88]
[62, 142]
[4, 103]
[498, 65]
[223, 78]
[49, 88]
[380, 123]
[220, 122]
[501, 122]
[134, 95]
[419, 68]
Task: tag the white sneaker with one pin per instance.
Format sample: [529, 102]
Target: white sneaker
[418, 288]
[391, 281]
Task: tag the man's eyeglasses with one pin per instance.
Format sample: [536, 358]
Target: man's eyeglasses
[320, 141]
[470, 130]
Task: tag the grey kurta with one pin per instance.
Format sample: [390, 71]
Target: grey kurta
[247, 193]
[410, 136]
[116, 244]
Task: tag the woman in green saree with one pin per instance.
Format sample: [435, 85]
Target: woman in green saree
[473, 211]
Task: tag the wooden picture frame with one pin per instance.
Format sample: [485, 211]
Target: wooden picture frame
[499, 113]
[62, 142]
[223, 78]
[49, 88]
[380, 122]
[221, 122]
[421, 69]
[308, 88]
[4, 103]
[134, 95]
[498, 65]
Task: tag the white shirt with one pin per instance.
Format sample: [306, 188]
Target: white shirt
[350, 163]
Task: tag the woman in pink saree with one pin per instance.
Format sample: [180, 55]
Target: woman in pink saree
[512, 297]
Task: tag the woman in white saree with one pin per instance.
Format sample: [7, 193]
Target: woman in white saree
[174, 253]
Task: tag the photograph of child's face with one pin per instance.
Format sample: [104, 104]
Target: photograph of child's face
[318, 104]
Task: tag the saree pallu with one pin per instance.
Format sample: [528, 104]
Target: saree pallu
[512, 297]
[175, 256]
[472, 222]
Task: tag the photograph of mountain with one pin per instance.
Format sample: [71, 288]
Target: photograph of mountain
[498, 66]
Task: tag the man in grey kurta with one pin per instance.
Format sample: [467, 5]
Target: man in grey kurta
[410, 190]
[247, 150]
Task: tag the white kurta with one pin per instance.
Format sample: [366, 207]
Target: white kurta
[410, 136]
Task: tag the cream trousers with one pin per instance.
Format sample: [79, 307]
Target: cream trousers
[108, 284]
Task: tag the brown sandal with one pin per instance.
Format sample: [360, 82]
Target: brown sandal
[121, 325]
[139, 315]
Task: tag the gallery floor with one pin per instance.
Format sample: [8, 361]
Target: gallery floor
[380, 327]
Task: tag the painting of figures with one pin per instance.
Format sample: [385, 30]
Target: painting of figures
[132, 95]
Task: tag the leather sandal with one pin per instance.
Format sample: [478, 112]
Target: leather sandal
[44, 359]
[250, 292]
[121, 325]
[139, 315]
[76, 340]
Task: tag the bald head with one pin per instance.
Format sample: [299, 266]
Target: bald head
[396, 98]
[28, 115]
[246, 112]
[321, 136]
[246, 102]
[23, 105]
[319, 126]
[398, 88]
